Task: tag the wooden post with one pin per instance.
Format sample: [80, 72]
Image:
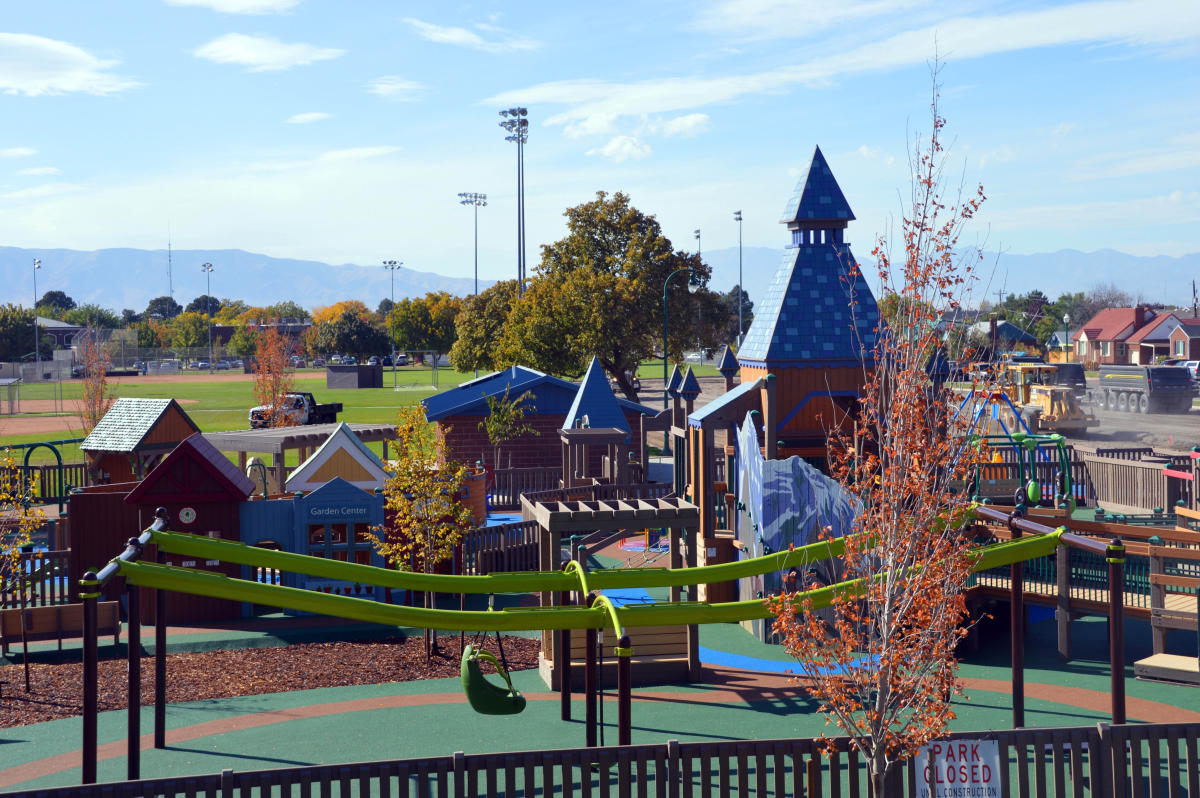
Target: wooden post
[160, 668]
[1115, 557]
[1158, 597]
[134, 722]
[564, 664]
[624, 654]
[1063, 613]
[1017, 635]
[89, 592]
[589, 687]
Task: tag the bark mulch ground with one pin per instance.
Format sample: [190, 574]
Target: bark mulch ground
[57, 689]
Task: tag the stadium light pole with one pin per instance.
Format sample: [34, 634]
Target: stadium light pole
[516, 122]
[207, 268]
[737, 217]
[37, 349]
[391, 266]
[476, 201]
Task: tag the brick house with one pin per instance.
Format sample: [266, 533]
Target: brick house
[1105, 337]
[1153, 340]
[458, 412]
[1185, 339]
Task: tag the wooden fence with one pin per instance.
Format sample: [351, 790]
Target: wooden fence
[1109, 761]
[50, 488]
[509, 483]
[41, 579]
[507, 547]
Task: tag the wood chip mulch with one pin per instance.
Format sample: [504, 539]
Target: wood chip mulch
[57, 688]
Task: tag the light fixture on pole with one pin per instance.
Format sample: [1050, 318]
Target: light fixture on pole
[696, 233]
[1067, 337]
[737, 217]
[37, 349]
[207, 269]
[391, 266]
[476, 201]
[515, 121]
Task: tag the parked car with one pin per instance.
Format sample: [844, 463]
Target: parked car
[386, 361]
[349, 361]
[335, 360]
[401, 359]
[373, 360]
[318, 363]
[223, 365]
[629, 375]
[200, 365]
[238, 364]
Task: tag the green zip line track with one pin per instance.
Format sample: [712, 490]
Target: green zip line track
[602, 614]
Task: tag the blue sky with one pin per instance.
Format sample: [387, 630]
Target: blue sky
[342, 131]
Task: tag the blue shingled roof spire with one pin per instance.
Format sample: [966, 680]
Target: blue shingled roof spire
[818, 310]
[595, 400]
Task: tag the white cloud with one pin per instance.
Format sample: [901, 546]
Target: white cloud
[594, 125]
[1138, 23]
[395, 88]
[34, 65]
[240, 6]
[775, 19]
[622, 148]
[1175, 154]
[1176, 207]
[17, 152]
[38, 192]
[263, 53]
[39, 171]
[688, 125]
[308, 118]
[462, 37]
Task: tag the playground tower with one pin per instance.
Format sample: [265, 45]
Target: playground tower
[814, 331]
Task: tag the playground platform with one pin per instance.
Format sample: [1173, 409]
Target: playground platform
[743, 696]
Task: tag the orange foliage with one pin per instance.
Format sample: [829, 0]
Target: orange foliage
[272, 376]
[884, 667]
[333, 312]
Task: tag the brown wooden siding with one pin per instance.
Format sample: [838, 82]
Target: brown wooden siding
[173, 427]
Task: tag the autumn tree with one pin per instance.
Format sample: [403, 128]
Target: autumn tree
[331, 313]
[479, 326]
[16, 335]
[189, 330]
[163, 307]
[884, 669]
[96, 398]
[426, 518]
[273, 379]
[244, 341]
[598, 291]
[20, 517]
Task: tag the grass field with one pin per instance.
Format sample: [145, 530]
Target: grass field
[221, 402]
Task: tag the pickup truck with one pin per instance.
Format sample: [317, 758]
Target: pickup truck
[300, 409]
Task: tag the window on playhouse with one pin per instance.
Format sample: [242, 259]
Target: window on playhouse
[344, 541]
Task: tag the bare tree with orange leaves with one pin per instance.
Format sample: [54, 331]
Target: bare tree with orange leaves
[882, 662]
[273, 379]
[96, 396]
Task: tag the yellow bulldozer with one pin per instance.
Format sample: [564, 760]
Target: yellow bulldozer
[1044, 406]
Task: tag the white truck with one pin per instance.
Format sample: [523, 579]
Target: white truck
[299, 409]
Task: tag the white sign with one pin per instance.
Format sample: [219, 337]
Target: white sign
[959, 769]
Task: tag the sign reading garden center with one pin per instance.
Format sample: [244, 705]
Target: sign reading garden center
[959, 769]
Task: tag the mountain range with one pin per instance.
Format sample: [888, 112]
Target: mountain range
[130, 278]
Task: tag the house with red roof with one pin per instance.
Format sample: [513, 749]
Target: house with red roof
[1153, 340]
[1185, 339]
[1105, 337]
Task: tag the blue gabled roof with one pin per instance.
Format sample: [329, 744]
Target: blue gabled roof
[595, 400]
[723, 401]
[728, 365]
[551, 394]
[817, 196]
[674, 381]
[689, 387]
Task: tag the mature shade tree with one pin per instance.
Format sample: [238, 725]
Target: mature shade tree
[244, 340]
[729, 302]
[163, 307]
[91, 315]
[189, 330]
[286, 310]
[348, 334]
[408, 325]
[330, 313]
[208, 305]
[230, 310]
[384, 308]
[443, 311]
[599, 291]
[884, 668]
[56, 301]
[152, 333]
[130, 317]
[16, 335]
[480, 325]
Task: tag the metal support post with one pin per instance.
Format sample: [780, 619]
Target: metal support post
[624, 654]
[589, 687]
[89, 592]
[1017, 636]
[133, 756]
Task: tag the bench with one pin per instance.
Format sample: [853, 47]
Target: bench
[56, 622]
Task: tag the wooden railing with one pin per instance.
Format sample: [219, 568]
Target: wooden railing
[1101, 760]
[1127, 484]
[509, 483]
[50, 488]
[507, 547]
[41, 579]
[645, 490]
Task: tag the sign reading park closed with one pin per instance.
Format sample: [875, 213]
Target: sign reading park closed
[959, 769]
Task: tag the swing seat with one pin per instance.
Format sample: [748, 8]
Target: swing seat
[483, 696]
